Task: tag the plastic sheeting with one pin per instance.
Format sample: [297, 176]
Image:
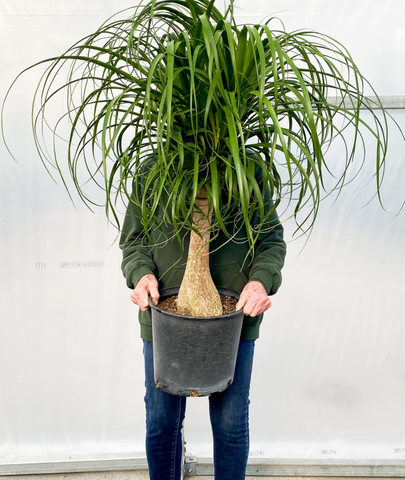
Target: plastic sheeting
[329, 376]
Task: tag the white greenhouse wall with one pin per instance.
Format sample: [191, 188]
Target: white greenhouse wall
[329, 375]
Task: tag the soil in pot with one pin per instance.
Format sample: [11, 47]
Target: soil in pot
[170, 304]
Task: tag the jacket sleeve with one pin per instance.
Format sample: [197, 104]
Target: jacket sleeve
[270, 251]
[137, 258]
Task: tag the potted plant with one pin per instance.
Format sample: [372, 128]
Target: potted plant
[190, 118]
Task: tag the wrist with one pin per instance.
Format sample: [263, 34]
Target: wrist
[148, 277]
[257, 284]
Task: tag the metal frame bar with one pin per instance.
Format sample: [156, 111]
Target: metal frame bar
[391, 102]
[313, 468]
[74, 464]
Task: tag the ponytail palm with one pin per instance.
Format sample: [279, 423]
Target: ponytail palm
[225, 111]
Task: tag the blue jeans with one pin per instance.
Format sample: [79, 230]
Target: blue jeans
[229, 414]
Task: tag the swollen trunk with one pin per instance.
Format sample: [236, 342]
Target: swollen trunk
[198, 296]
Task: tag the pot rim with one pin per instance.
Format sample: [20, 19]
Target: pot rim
[186, 317]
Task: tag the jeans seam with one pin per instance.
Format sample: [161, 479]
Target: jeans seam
[214, 447]
[247, 437]
[175, 438]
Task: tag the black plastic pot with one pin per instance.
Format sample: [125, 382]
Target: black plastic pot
[194, 356]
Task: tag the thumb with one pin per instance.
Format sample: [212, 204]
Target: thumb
[154, 294]
[241, 301]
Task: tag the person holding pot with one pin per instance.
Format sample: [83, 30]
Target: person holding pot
[149, 267]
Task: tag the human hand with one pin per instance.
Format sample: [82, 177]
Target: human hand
[147, 285]
[253, 299]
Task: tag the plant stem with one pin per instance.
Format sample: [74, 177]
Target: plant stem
[198, 295]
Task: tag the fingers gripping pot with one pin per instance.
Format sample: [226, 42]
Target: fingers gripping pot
[194, 356]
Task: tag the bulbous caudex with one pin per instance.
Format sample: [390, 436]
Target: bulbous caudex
[198, 295]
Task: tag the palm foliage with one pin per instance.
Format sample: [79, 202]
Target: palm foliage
[214, 104]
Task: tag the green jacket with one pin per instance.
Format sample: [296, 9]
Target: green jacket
[231, 265]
